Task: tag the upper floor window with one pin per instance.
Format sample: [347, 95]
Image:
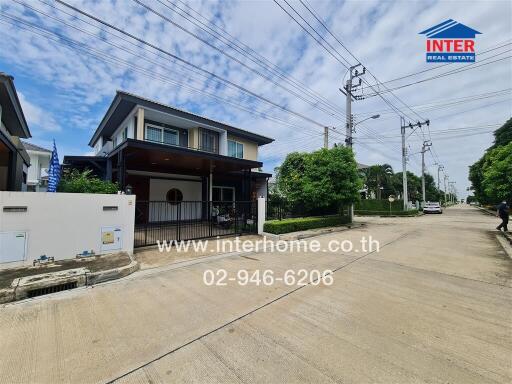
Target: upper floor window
[235, 149]
[114, 142]
[125, 133]
[161, 135]
[208, 140]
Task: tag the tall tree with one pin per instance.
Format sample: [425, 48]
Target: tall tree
[413, 185]
[378, 179]
[320, 179]
[488, 181]
[497, 173]
[503, 135]
[431, 191]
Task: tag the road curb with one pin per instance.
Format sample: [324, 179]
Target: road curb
[506, 244]
[111, 274]
[301, 236]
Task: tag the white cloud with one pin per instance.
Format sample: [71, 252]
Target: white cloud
[38, 118]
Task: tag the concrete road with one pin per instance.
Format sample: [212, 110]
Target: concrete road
[434, 305]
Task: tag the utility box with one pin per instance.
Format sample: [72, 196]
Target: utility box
[13, 246]
[111, 239]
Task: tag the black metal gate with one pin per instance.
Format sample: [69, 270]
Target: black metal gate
[158, 221]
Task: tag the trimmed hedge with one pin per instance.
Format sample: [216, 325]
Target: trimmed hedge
[411, 212]
[378, 205]
[303, 223]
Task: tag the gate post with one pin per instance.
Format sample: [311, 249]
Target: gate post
[262, 214]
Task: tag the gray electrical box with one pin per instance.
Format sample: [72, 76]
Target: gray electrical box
[13, 246]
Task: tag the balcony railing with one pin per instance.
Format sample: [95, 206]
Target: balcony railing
[202, 148]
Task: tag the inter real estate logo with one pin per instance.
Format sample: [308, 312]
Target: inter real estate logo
[450, 41]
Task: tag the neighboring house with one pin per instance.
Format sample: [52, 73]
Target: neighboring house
[166, 154]
[14, 160]
[39, 164]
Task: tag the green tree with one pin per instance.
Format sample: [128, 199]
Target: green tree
[486, 182]
[85, 182]
[476, 177]
[413, 185]
[431, 191]
[503, 135]
[320, 179]
[378, 179]
[497, 173]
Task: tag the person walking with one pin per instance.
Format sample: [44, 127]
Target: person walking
[502, 213]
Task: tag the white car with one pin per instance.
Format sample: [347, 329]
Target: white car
[432, 208]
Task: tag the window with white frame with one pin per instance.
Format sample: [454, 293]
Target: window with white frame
[125, 133]
[161, 135]
[235, 149]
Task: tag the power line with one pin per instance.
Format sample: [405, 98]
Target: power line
[442, 103]
[310, 9]
[103, 56]
[443, 65]
[186, 62]
[223, 52]
[238, 46]
[449, 73]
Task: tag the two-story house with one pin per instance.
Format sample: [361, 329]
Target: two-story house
[37, 180]
[164, 154]
[14, 160]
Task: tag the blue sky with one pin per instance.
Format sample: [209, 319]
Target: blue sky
[65, 91]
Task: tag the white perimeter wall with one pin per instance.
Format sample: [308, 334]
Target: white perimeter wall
[65, 224]
[191, 191]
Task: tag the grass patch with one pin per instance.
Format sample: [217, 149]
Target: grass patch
[303, 223]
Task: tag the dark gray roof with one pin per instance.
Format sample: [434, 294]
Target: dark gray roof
[33, 147]
[12, 113]
[124, 102]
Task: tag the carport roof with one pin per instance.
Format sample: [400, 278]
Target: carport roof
[143, 154]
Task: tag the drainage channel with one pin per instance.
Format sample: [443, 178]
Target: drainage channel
[51, 289]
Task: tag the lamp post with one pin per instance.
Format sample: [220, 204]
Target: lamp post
[368, 118]
[348, 140]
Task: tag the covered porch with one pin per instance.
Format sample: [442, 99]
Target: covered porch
[182, 193]
[150, 170]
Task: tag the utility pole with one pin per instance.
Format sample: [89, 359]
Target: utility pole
[426, 147]
[349, 95]
[445, 179]
[452, 190]
[348, 91]
[439, 169]
[404, 155]
[404, 164]
[326, 137]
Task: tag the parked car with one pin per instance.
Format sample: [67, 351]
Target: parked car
[432, 207]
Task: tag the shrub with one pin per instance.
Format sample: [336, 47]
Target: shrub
[411, 212]
[303, 223]
[85, 182]
[379, 205]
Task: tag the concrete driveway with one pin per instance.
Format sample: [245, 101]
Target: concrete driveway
[434, 305]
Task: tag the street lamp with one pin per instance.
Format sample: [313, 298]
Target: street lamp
[368, 118]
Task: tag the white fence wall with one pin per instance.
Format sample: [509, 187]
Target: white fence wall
[63, 225]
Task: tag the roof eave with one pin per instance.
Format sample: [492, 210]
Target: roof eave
[138, 100]
[15, 101]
